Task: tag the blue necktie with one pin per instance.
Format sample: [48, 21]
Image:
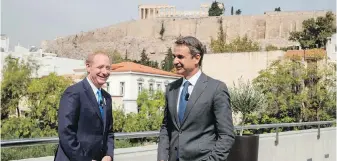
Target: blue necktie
[100, 102]
[183, 101]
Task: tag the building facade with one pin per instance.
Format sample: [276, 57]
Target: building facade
[331, 48]
[4, 43]
[169, 11]
[47, 62]
[128, 79]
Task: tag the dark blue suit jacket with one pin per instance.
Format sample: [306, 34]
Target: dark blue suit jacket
[84, 135]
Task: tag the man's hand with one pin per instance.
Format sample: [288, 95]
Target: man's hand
[107, 158]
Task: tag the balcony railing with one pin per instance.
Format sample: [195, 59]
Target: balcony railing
[55, 140]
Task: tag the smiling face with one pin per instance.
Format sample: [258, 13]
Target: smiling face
[98, 68]
[185, 63]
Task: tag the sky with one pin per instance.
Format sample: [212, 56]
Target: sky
[28, 22]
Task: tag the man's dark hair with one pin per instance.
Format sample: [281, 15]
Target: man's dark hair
[194, 45]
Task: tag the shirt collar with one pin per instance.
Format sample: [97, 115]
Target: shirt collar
[193, 80]
[93, 87]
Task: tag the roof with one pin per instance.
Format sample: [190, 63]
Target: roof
[306, 54]
[134, 67]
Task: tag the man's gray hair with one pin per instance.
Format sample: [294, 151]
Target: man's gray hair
[195, 46]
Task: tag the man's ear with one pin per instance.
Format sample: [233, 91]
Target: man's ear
[197, 58]
[87, 66]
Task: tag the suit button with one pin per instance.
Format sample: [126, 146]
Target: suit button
[180, 132]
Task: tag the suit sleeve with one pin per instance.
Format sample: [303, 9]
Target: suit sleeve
[164, 142]
[110, 141]
[224, 124]
[68, 115]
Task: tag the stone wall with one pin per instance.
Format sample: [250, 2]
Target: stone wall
[133, 36]
[245, 65]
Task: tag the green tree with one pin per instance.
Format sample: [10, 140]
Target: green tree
[119, 119]
[167, 63]
[162, 30]
[154, 64]
[246, 99]
[218, 45]
[288, 86]
[215, 10]
[150, 112]
[22, 127]
[315, 31]
[16, 77]
[144, 60]
[321, 91]
[238, 12]
[116, 57]
[126, 56]
[44, 95]
[271, 48]
[237, 45]
[278, 9]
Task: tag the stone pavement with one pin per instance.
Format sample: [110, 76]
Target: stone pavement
[146, 153]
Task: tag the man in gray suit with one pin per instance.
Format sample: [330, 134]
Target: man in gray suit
[197, 122]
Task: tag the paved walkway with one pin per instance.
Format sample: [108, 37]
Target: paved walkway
[148, 153]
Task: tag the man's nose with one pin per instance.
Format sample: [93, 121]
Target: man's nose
[175, 60]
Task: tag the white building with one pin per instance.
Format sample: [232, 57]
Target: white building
[4, 43]
[331, 48]
[48, 62]
[128, 79]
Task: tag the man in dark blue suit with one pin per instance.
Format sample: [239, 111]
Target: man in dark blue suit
[85, 123]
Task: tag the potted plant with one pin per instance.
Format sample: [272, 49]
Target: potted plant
[245, 99]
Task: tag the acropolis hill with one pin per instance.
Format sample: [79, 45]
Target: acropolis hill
[134, 36]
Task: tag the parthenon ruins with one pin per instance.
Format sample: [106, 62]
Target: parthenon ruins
[162, 11]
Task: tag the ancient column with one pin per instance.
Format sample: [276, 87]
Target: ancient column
[165, 11]
[175, 12]
[143, 13]
[155, 12]
[161, 11]
[140, 12]
[205, 11]
[152, 15]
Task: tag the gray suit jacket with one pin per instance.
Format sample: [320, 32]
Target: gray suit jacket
[206, 132]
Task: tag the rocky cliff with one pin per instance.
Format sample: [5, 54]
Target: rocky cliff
[133, 36]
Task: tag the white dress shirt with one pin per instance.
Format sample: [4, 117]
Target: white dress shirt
[193, 80]
[94, 88]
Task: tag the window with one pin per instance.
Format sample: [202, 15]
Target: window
[159, 87]
[140, 87]
[122, 88]
[151, 87]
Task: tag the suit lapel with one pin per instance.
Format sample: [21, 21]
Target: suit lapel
[174, 92]
[197, 91]
[107, 104]
[92, 98]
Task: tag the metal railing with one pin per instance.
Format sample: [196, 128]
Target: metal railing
[54, 140]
